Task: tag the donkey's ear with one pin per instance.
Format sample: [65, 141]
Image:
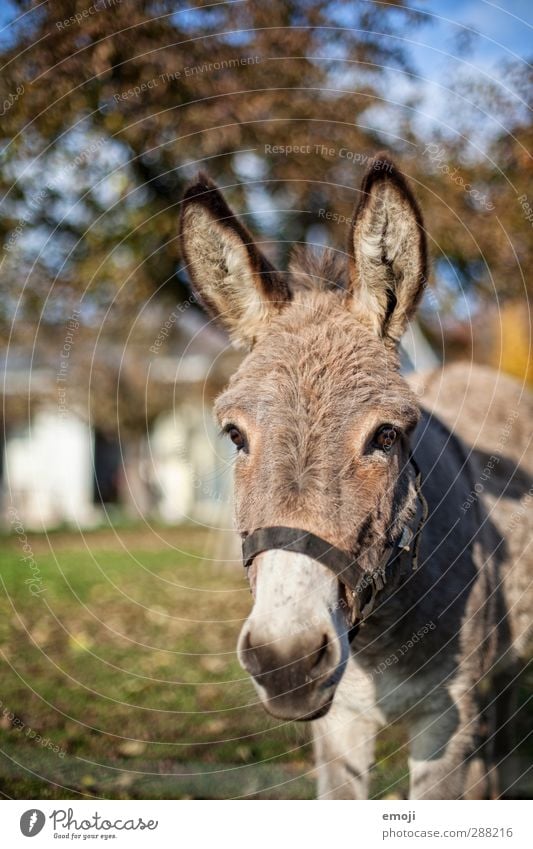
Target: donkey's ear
[233, 279]
[387, 251]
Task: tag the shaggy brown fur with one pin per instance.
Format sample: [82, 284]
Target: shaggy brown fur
[217, 245]
[388, 248]
[310, 404]
[321, 377]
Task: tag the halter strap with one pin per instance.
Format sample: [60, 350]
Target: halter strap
[340, 562]
[361, 584]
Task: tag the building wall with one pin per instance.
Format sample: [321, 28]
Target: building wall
[187, 466]
[48, 475]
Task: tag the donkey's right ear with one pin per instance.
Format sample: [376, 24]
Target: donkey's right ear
[235, 282]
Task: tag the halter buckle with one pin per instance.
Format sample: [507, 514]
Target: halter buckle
[406, 538]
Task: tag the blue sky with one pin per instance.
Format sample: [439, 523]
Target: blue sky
[503, 28]
[498, 36]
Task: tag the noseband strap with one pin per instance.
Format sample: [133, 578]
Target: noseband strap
[340, 562]
[362, 585]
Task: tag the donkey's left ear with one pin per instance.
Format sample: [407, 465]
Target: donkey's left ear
[388, 256]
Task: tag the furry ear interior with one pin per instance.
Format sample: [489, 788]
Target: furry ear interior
[233, 279]
[388, 263]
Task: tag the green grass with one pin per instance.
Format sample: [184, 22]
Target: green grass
[126, 664]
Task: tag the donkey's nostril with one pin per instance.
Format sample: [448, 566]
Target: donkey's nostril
[249, 654]
[246, 642]
[284, 663]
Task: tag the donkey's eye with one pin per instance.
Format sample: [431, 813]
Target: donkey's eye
[385, 437]
[238, 438]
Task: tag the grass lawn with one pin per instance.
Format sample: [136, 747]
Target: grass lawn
[119, 679]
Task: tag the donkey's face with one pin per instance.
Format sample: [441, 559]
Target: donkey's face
[319, 415]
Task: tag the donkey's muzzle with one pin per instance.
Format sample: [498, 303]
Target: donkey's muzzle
[296, 676]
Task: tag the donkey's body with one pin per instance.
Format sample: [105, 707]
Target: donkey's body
[324, 424]
[442, 652]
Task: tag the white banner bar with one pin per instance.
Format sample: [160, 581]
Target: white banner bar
[266, 824]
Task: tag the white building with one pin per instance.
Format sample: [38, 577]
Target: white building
[48, 471]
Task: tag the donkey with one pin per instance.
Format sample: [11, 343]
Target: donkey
[385, 532]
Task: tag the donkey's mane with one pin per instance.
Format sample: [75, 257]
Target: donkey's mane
[312, 269]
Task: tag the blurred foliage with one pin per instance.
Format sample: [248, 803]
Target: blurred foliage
[101, 165]
[513, 353]
[110, 108]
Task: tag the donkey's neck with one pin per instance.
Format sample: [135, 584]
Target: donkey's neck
[435, 592]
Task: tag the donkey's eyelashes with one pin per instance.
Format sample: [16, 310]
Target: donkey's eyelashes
[237, 437]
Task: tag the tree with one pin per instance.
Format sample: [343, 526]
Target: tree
[122, 101]
[110, 108]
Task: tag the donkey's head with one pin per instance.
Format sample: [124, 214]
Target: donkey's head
[319, 415]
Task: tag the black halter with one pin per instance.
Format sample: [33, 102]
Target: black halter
[362, 586]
